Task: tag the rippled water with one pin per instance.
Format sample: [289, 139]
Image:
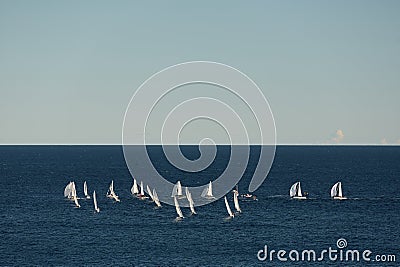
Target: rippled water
[39, 227]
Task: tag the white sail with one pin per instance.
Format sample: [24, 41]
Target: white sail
[110, 189]
[190, 199]
[141, 188]
[73, 190]
[293, 190]
[96, 208]
[74, 195]
[155, 198]
[236, 201]
[228, 208]
[149, 192]
[177, 190]
[85, 190]
[68, 190]
[134, 189]
[76, 202]
[340, 193]
[334, 190]
[111, 193]
[299, 194]
[208, 191]
[178, 209]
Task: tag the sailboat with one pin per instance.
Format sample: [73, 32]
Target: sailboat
[336, 191]
[245, 197]
[85, 190]
[208, 191]
[236, 201]
[190, 199]
[134, 189]
[155, 198]
[149, 192]
[177, 190]
[178, 209]
[295, 191]
[141, 194]
[111, 193]
[95, 202]
[228, 208]
[68, 190]
[70, 193]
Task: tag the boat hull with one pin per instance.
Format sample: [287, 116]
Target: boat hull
[296, 197]
[339, 198]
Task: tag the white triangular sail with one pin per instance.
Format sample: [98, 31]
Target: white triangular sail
[190, 199]
[111, 193]
[96, 208]
[236, 201]
[85, 190]
[155, 198]
[110, 189]
[177, 190]
[74, 195]
[141, 195]
[299, 193]
[178, 209]
[68, 190]
[292, 191]
[334, 190]
[228, 208]
[70, 193]
[340, 192]
[73, 190]
[149, 192]
[295, 190]
[141, 189]
[208, 191]
[76, 202]
[134, 189]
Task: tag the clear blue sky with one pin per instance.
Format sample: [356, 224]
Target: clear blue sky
[330, 69]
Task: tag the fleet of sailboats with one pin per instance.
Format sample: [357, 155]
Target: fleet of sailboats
[177, 193]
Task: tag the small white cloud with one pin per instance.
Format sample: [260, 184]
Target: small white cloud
[338, 137]
[383, 141]
[398, 141]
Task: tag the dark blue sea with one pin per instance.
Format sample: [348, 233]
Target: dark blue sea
[38, 226]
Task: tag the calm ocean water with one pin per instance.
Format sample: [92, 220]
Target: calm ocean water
[40, 227]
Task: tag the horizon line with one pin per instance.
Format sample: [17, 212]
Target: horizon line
[188, 144]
